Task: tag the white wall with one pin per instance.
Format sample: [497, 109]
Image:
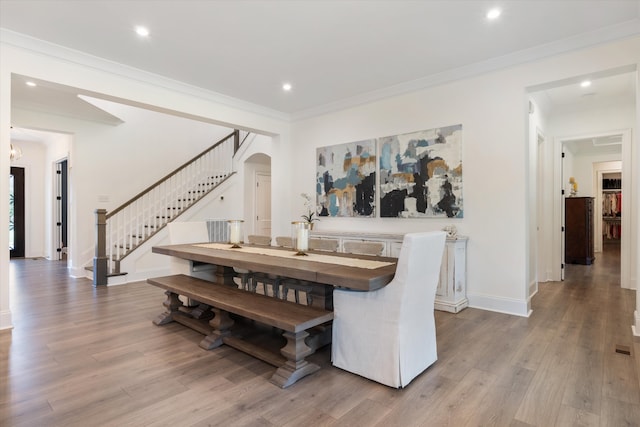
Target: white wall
[110, 164]
[583, 171]
[493, 111]
[58, 146]
[539, 158]
[33, 162]
[575, 124]
[40, 60]
[39, 157]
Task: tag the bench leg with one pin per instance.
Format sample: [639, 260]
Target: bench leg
[295, 367]
[221, 324]
[172, 304]
[202, 311]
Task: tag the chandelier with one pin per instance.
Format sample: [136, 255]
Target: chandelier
[15, 152]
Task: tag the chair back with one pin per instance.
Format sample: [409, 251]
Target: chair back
[255, 239]
[363, 248]
[328, 245]
[418, 271]
[284, 242]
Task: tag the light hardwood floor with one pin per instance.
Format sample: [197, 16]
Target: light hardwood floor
[80, 356]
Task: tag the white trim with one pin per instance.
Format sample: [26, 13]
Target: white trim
[599, 170]
[79, 273]
[5, 320]
[63, 53]
[627, 161]
[515, 307]
[603, 35]
[599, 36]
[635, 328]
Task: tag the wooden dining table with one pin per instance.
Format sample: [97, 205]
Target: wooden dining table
[324, 269]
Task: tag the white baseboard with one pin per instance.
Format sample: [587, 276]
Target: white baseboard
[499, 304]
[80, 272]
[5, 320]
[139, 276]
[533, 288]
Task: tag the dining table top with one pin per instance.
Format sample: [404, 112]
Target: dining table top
[357, 272]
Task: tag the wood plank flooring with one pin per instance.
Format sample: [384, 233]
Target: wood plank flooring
[80, 356]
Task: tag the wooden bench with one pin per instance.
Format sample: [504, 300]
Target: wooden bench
[294, 319]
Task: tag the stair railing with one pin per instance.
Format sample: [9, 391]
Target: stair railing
[125, 228]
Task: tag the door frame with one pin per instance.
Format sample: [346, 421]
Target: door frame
[627, 225]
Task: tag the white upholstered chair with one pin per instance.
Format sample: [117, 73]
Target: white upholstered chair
[389, 335]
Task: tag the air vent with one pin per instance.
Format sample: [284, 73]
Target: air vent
[623, 349]
[607, 140]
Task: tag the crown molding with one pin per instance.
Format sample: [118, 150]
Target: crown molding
[627, 29]
[604, 35]
[44, 48]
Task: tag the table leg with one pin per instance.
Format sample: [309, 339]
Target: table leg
[225, 275]
[322, 296]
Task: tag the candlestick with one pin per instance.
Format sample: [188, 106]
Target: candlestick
[235, 232]
[300, 237]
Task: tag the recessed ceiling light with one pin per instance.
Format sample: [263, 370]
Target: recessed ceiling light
[142, 31]
[30, 83]
[493, 13]
[286, 87]
[585, 83]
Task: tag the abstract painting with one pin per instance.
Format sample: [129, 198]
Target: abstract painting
[421, 174]
[346, 179]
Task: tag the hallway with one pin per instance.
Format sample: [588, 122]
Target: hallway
[82, 356]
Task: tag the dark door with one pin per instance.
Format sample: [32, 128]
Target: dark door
[62, 214]
[16, 213]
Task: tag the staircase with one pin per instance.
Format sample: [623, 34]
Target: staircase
[126, 228]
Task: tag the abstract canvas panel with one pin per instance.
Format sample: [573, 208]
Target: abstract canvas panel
[346, 179]
[421, 174]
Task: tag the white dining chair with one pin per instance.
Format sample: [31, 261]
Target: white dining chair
[303, 286]
[363, 248]
[389, 335]
[267, 280]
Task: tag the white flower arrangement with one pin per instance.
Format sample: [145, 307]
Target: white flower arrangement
[309, 207]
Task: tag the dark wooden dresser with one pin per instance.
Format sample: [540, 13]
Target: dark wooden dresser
[578, 232]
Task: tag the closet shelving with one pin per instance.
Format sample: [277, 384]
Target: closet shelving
[611, 208]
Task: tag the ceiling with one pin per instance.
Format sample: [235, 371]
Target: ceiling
[334, 53]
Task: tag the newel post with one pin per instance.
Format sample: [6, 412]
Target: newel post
[236, 141]
[100, 259]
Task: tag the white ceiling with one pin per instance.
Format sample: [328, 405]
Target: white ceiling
[334, 53]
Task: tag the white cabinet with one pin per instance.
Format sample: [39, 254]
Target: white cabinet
[451, 294]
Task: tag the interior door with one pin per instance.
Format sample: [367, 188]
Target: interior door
[263, 204]
[16, 213]
[61, 210]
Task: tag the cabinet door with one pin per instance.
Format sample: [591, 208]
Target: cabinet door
[394, 249]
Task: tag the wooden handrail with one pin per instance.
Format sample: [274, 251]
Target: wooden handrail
[122, 230]
[234, 134]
